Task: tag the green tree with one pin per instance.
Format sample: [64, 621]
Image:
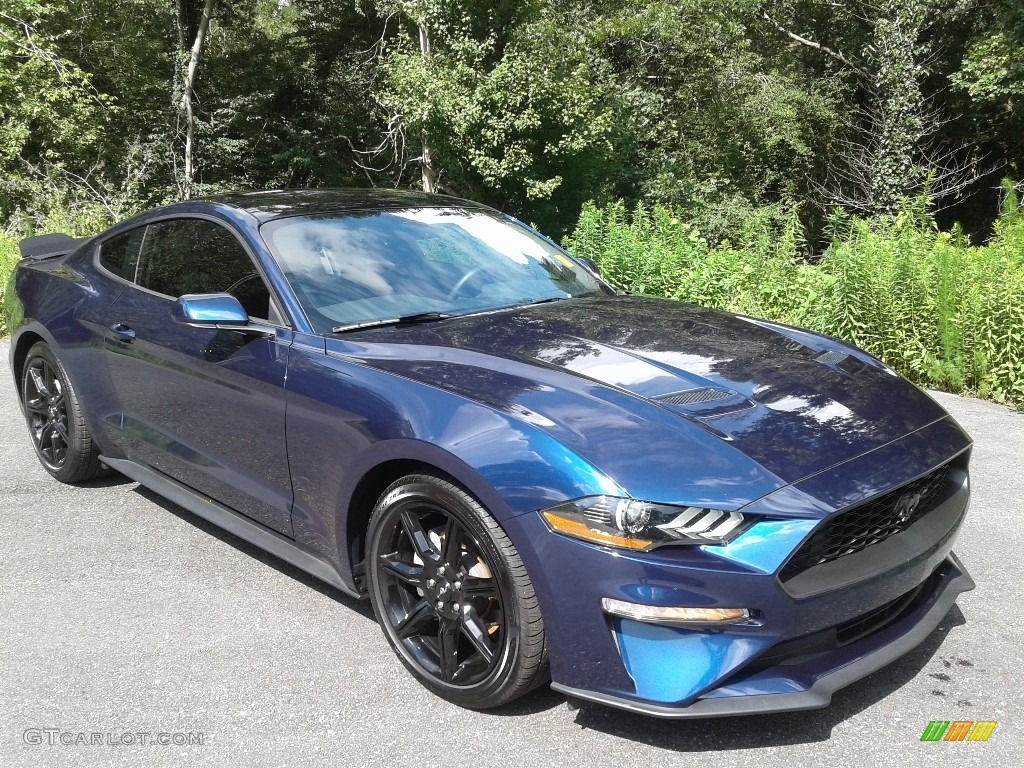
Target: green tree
[716, 115]
[502, 102]
[51, 113]
[990, 81]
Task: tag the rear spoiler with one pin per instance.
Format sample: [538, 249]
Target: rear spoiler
[49, 246]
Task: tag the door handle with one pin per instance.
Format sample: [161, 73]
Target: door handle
[123, 333]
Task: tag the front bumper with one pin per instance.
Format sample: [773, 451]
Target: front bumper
[809, 635]
[810, 685]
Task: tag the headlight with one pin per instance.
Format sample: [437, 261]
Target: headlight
[641, 525]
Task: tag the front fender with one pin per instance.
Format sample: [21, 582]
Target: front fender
[346, 419]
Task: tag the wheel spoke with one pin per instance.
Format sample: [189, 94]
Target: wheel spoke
[46, 442]
[418, 537]
[409, 573]
[37, 406]
[414, 620]
[474, 666]
[62, 431]
[51, 389]
[452, 546]
[448, 649]
[38, 382]
[474, 629]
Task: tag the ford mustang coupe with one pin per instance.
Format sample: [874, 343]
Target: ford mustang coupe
[530, 475]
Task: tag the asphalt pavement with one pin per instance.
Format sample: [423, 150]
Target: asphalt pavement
[134, 633]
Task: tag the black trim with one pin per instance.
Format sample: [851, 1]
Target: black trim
[817, 696]
[233, 522]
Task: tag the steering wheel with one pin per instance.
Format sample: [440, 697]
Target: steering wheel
[462, 282]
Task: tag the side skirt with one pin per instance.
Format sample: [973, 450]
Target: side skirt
[232, 522]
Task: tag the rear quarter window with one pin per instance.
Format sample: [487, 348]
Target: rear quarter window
[120, 255]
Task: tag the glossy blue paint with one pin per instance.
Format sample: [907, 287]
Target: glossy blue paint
[525, 408]
[672, 664]
[583, 653]
[209, 309]
[205, 406]
[765, 545]
[346, 411]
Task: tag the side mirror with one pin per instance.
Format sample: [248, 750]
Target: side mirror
[213, 310]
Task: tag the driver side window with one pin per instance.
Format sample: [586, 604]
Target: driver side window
[182, 256]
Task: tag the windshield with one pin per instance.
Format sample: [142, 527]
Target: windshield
[365, 266]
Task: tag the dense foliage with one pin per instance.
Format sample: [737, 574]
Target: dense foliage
[725, 109]
[800, 127]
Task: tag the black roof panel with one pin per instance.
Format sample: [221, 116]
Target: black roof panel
[277, 203]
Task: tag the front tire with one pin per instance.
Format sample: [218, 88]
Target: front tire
[452, 595]
[55, 421]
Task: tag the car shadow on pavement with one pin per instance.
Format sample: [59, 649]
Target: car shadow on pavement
[771, 730]
[110, 480]
[361, 607]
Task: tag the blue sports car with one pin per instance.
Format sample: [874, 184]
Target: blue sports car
[530, 475]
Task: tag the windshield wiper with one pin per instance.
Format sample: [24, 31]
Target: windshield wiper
[543, 301]
[418, 317]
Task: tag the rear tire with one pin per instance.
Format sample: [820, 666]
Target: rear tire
[452, 595]
[55, 421]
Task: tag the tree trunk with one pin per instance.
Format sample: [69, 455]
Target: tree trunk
[426, 159]
[897, 110]
[186, 108]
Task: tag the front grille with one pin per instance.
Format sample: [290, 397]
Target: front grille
[870, 523]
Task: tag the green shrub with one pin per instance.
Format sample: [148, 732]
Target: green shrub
[57, 210]
[943, 313]
[8, 258]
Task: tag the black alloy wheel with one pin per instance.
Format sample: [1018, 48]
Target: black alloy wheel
[55, 420]
[452, 595]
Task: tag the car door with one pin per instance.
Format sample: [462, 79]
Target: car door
[115, 259]
[204, 406]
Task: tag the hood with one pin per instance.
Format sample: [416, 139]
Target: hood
[793, 402]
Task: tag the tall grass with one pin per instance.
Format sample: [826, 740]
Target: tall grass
[943, 313]
[8, 258]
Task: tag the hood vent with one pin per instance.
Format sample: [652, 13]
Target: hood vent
[694, 396]
[832, 358]
[842, 361]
